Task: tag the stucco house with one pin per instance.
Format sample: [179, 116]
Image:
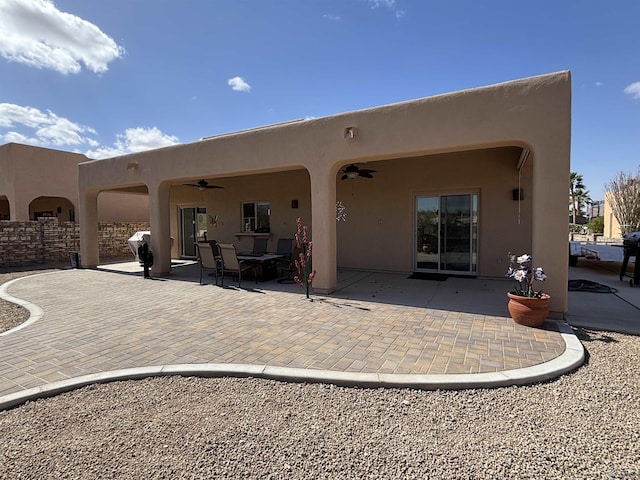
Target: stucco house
[40, 182]
[451, 184]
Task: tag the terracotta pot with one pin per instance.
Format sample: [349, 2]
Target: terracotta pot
[529, 311]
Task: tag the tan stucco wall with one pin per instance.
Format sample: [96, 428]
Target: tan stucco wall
[35, 179]
[534, 113]
[611, 224]
[123, 207]
[27, 173]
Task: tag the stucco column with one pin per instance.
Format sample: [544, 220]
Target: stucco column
[550, 230]
[159, 221]
[323, 229]
[19, 208]
[88, 217]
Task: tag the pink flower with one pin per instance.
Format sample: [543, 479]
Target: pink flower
[312, 275]
[298, 281]
[309, 251]
[304, 235]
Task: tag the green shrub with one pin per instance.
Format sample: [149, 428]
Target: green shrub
[596, 225]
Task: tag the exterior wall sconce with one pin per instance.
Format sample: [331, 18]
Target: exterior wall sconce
[518, 194]
[350, 132]
[132, 166]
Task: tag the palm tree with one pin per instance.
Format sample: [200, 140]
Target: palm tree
[578, 195]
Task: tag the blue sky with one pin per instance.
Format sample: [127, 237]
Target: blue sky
[110, 77]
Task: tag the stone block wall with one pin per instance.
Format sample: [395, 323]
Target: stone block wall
[48, 241]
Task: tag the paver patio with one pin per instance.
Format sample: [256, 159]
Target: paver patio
[95, 321]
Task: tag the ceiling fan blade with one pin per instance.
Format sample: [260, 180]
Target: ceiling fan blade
[344, 177]
[202, 185]
[365, 170]
[365, 175]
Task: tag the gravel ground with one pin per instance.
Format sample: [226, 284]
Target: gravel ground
[584, 425]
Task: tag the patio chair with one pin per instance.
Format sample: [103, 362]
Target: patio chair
[230, 263]
[207, 259]
[259, 247]
[285, 248]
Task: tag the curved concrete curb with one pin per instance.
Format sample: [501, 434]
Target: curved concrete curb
[571, 359]
[35, 311]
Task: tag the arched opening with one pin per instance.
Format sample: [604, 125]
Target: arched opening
[445, 214]
[57, 207]
[246, 207]
[4, 208]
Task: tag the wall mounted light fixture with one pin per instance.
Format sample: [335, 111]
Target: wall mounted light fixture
[350, 132]
[132, 166]
[518, 194]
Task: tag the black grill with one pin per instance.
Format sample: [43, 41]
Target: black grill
[632, 240]
[631, 244]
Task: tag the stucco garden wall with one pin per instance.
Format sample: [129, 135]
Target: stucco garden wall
[48, 241]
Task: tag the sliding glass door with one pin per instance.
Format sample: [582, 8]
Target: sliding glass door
[447, 233]
[193, 228]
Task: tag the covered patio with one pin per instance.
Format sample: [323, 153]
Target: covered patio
[484, 169]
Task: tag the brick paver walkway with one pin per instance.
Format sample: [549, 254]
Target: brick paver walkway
[97, 321]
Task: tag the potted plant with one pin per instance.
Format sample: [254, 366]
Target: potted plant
[527, 306]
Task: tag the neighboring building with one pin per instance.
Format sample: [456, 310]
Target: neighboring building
[459, 180]
[41, 182]
[596, 209]
[611, 223]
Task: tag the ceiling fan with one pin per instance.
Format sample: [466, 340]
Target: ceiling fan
[352, 171]
[202, 185]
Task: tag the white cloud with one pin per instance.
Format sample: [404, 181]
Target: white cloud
[390, 4]
[36, 33]
[238, 84]
[15, 137]
[333, 18]
[383, 3]
[30, 126]
[134, 140]
[599, 84]
[633, 90]
[48, 128]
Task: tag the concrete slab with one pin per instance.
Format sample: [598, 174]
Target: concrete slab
[617, 309]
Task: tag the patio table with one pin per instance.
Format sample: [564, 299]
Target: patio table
[265, 265]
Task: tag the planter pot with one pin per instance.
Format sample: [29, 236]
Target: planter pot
[529, 311]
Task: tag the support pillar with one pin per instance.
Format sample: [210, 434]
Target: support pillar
[550, 234]
[19, 209]
[88, 217]
[160, 223]
[323, 229]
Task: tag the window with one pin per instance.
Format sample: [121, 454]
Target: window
[256, 217]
